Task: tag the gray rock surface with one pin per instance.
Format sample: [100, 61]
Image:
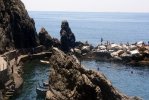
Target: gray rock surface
[45, 39]
[17, 29]
[67, 37]
[70, 81]
[1, 97]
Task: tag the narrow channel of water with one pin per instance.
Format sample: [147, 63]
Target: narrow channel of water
[34, 72]
[133, 81]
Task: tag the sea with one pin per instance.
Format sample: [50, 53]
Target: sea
[91, 27]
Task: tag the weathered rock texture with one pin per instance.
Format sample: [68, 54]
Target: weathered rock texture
[17, 29]
[1, 97]
[67, 37]
[70, 81]
[45, 39]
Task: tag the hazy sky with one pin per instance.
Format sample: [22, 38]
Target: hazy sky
[88, 5]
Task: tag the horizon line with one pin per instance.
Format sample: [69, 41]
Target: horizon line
[87, 11]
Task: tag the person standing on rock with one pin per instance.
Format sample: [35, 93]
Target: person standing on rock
[101, 40]
[67, 37]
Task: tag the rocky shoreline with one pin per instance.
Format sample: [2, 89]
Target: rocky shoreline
[12, 84]
[17, 31]
[136, 54]
[69, 80]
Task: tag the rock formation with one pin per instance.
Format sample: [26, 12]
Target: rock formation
[67, 37]
[70, 81]
[1, 97]
[132, 54]
[45, 39]
[17, 29]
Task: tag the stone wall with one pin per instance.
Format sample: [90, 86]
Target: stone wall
[9, 57]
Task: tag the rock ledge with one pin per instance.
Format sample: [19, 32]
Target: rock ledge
[70, 81]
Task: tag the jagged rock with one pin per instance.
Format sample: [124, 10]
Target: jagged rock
[117, 58]
[101, 55]
[134, 52]
[126, 57]
[140, 43]
[50, 95]
[85, 49]
[101, 47]
[77, 52]
[125, 47]
[132, 47]
[1, 96]
[79, 44]
[17, 29]
[3, 64]
[70, 81]
[45, 39]
[117, 53]
[56, 43]
[67, 37]
[115, 47]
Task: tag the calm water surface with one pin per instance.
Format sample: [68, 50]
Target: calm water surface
[133, 81]
[132, 84]
[34, 73]
[114, 27]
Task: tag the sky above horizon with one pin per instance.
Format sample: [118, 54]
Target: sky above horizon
[88, 5]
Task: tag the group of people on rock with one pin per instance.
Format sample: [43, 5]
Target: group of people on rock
[67, 38]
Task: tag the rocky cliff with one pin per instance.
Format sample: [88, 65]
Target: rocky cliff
[70, 81]
[17, 29]
[1, 97]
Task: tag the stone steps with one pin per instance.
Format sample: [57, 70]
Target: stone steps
[10, 89]
[9, 83]
[9, 94]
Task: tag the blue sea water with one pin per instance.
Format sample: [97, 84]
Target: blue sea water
[133, 81]
[114, 27]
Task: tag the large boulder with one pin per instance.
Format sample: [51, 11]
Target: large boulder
[117, 53]
[132, 47]
[101, 47]
[17, 29]
[68, 80]
[115, 47]
[45, 39]
[86, 49]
